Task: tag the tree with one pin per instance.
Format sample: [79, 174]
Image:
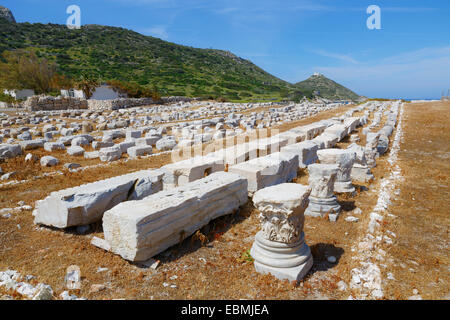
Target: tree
[61, 82]
[87, 84]
[24, 70]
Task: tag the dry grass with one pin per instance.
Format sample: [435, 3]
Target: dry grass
[213, 263]
[420, 252]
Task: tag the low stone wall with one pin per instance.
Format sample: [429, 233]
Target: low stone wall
[123, 103]
[118, 103]
[45, 103]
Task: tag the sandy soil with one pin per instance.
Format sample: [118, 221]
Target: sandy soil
[213, 264]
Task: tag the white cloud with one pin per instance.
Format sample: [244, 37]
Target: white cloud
[418, 73]
[342, 57]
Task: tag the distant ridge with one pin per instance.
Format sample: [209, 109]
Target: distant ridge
[111, 53]
[326, 88]
[7, 14]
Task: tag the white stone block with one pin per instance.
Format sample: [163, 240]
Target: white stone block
[138, 230]
[53, 146]
[345, 159]
[189, 170]
[86, 204]
[267, 171]
[138, 151]
[49, 161]
[110, 154]
[10, 150]
[75, 151]
[306, 152]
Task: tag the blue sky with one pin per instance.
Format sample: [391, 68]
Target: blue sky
[408, 58]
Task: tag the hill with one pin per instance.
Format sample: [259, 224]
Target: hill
[5, 13]
[326, 88]
[111, 53]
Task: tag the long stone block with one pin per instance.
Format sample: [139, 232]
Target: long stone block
[306, 151]
[326, 140]
[276, 168]
[138, 230]
[351, 124]
[86, 204]
[182, 172]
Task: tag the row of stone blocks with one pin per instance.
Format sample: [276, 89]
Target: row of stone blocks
[127, 233]
[87, 203]
[138, 230]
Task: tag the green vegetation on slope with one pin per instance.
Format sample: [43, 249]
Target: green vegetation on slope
[109, 54]
[324, 87]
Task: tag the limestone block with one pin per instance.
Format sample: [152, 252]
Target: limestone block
[144, 142]
[361, 173]
[306, 151]
[267, 171]
[66, 132]
[133, 134]
[386, 130]
[351, 124]
[326, 140]
[79, 141]
[26, 136]
[91, 155]
[182, 172]
[138, 230]
[383, 144]
[10, 150]
[166, 144]
[338, 129]
[66, 140]
[101, 144]
[75, 151]
[152, 139]
[345, 159]
[32, 144]
[110, 154]
[312, 130]
[49, 161]
[322, 200]
[293, 136]
[86, 204]
[124, 146]
[137, 151]
[279, 248]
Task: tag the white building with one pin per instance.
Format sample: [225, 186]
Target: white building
[73, 93]
[105, 92]
[20, 94]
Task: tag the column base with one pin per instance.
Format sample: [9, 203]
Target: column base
[319, 207]
[344, 187]
[361, 173]
[284, 261]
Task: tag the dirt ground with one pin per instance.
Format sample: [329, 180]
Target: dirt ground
[214, 263]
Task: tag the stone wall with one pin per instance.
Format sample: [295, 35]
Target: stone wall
[45, 103]
[118, 103]
[123, 103]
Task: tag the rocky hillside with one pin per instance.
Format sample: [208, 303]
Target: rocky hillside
[326, 88]
[5, 13]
